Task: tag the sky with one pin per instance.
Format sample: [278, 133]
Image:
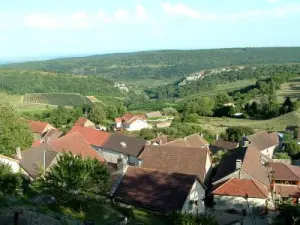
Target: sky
[54, 28]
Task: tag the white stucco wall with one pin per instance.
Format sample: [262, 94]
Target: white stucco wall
[112, 156]
[137, 125]
[208, 163]
[238, 203]
[11, 162]
[197, 193]
[269, 151]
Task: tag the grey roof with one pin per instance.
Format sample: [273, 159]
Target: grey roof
[52, 135]
[127, 145]
[263, 140]
[33, 158]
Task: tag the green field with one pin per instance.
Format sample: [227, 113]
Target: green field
[59, 99]
[219, 125]
[289, 89]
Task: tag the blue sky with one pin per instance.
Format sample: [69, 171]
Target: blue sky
[36, 28]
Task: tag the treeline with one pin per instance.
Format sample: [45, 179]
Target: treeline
[164, 63]
[24, 81]
[209, 82]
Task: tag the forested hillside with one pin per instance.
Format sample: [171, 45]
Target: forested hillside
[17, 81]
[209, 82]
[164, 63]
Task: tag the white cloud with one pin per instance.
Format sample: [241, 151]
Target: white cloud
[39, 20]
[141, 13]
[122, 15]
[273, 1]
[182, 10]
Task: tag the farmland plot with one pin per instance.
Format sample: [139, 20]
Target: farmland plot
[59, 99]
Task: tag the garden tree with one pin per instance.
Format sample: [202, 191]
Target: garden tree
[147, 134]
[281, 155]
[288, 214]
[292, 148]
[111, 111]
[75, 180]
[97, 114]
[121, 109]
[221, 99]
[190, 219]
[192, 118]
[169, 111]
[287, 106]
[206, 106]
[287, 137]
[217, 157]
[237, 133]
[10, 183]
[14, 131]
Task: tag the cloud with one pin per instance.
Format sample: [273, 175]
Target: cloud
[179, 9]
[122, 15]
[39, 20]
[141, 13]
[272, 1]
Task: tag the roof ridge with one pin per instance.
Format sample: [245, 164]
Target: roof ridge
[224, 184]
[254, 182]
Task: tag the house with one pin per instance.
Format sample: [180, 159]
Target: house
[161, 191]
[52, 134]
[241, 194]
[286, 181]
[76, 144]
[96, 138]
[84, 122]
[195, 141]
[151, 115]
[13, 163]
[131, 122]
[120, 146]
[160, 140]
[221, 144]
[39, 128]
[164, 124]
[263, 141]
[174, 159]
[36, 159]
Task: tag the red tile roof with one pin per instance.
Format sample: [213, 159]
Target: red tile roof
[37, 126]
[80, 121]
[287, 191]
[76, 144]
[92, 136]
[285, 172]
[130, 118]
[242, 188]
[155, 190]
[36, 143]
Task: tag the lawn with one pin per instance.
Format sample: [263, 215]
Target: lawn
[108, 213]
[289, 89]
[151, 106]
[5, 97]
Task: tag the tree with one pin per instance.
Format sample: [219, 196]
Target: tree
[281, 155]
[10, 183]
[237, 133]
[121, 109]
[74, 179]
[192, 118]
[217, 157]
[288, 214]
[147, 134]
[292, 148]
[206, 106]
[111, 111]
[169, 111]
[14, 131]
[221, 99]
[97, 114]
[287, 106]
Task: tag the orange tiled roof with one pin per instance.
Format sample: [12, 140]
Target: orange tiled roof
[37, 126]
[80, 121]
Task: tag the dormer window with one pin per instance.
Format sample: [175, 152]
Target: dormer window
[123, 144]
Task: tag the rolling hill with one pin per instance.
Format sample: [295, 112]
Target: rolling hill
[163, 64]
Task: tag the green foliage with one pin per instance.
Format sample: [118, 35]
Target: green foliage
[192, 118]
[237, 133]
[281, 155]
[12, 81]
[14, 131]
[217, 157]
[74, 179]
[288, 106]
[221, 99]
[287, 137]
[292, 149]
[97, 114]
[121, 109]
[147, 134]
[190, 219]
[111, 111]
[288, 214]
[203, 106]
[169, 111]
[10, 183]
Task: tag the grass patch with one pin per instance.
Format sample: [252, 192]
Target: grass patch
[151, 106]
[5, 97]
[290, 89]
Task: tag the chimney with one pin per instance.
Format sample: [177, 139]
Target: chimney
[140, 161]
[184, 138]
[202, 135]
[217, 136]
[158, 134]
[238, 164]
[18, 151]
[120, 164]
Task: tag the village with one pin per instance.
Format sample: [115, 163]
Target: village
[165, 175]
